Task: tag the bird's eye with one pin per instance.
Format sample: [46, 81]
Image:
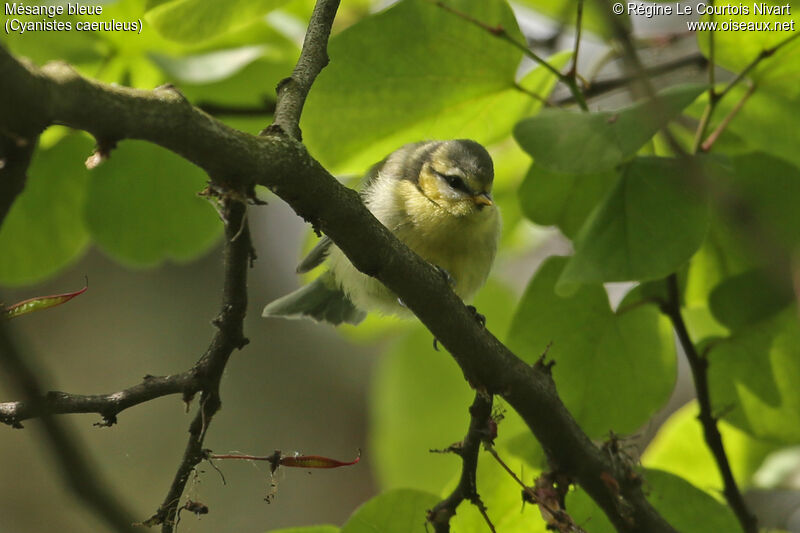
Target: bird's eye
[454, 181]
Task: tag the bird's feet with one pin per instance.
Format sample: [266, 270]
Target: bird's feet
[446, 275]
[479, 317]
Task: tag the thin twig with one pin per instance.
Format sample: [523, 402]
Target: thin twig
[601, 87]
[292, 91]
[699, 367]
[65, 448]
[479, 431]
[578, 27]
[572, 74]
[712, 138]
[229, 336]
[106, 405]
[715, 97]
[553, 512]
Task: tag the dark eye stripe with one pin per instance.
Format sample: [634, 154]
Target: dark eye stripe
[454, 181]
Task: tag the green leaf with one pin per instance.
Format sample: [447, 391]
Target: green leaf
[771, 188]
[44, 230]
[684, 506]
[613, 371]
[767, 122]
[426, 74]
[211, 66]
[419, 402]
[748, 298]
[38, 303]
[502, 497]
[735, 50]
[564, 200]
[199, 20]
[309, 529]
[647, 227]
[142, 207]
[395, 511]
[582, 143]
[679, 448]
[595, 14]
[753, 377]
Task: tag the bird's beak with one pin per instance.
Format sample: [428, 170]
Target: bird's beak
[482, 199]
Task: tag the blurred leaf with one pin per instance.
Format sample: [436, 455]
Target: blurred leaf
[581, 143]
[722, 255]
[679, 448]
[211, 66]
[649, 225]
[142, 207]
[564, 200]
[426, 74]
[778, 469]
[753, 377]
[199, 20]
[44, 230]
[735, 50]
[395, 511]
[686, 508]
[771, 187]
[613, 371]
[747, 298]
[419, 402]
[767, 122]
[79, 48]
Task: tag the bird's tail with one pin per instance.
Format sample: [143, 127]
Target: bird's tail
[320, 300]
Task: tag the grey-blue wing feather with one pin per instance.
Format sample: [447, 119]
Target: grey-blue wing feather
[316, 256]
[320, 300]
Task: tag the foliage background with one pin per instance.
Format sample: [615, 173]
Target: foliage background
[299, 386]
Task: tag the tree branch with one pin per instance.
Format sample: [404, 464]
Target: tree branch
[479, 431]
[106, 405]
[699, 367]
[238, 161]
[65, 448]
[292, 91]
[230, 336]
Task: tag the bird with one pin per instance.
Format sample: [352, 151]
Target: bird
[434, 196]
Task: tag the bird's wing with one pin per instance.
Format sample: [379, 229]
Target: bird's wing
[316, 256]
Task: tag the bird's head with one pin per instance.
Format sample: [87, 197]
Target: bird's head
[457, 175]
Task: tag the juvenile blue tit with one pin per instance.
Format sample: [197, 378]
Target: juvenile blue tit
[435, 196]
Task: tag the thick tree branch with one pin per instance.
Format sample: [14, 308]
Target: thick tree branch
[237, 160]
[479, 431]
[65, 449]
[106, 405]
[699, 367]
[292, 91]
